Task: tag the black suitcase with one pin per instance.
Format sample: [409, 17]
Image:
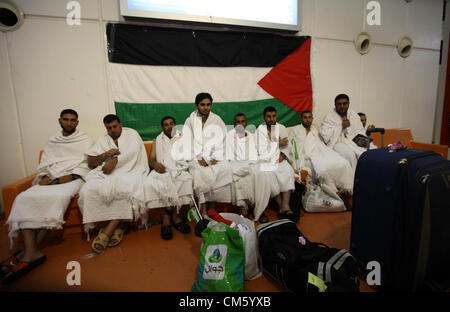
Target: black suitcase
[401, 208]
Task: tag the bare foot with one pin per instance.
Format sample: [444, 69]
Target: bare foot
[243, 211]
[30, 256]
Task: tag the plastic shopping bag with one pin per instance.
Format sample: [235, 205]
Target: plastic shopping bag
[318, 199]
[246, 229]
[222, 260]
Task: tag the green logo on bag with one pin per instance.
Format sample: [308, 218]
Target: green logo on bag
[215, 257]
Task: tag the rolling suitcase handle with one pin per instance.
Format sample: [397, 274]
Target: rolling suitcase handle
[373, 130]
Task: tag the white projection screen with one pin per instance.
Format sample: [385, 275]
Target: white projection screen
[272, 14]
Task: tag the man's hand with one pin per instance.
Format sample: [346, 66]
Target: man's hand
[345, 123]
[282, 157]
[45, 180]
[202, 163]
[65, 179]
[283, 142]
[360, 144]
[112, 152]
[109, 166]
[213, 161]
[160, 167]
[370, 127]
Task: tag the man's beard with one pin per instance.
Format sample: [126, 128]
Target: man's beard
[68, 131]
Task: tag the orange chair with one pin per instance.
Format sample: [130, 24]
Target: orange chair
[404, 135]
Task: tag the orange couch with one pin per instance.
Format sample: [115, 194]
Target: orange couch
[73, 215]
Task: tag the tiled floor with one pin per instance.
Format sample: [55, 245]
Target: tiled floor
[143, 262]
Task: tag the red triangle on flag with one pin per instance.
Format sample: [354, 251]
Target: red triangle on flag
[290, 80]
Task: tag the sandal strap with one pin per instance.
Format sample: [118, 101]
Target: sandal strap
[101, 239]
[117, 235]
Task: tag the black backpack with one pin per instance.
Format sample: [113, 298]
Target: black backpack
[303, 266]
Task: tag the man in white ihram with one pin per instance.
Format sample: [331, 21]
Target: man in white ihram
[42, 207]
[204, 140]
[274, 153]
[169, 184]
[325, 167]
[114, 190]
[340, 127]
[251, 186]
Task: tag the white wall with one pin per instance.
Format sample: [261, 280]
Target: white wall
[392, 91]
[47, 66]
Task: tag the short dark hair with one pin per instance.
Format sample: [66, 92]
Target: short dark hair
[201, 96]
[269, 109]
[306, 111]
[341, 96]
[361, 114]
[68, 111]
[237, 115]
[167, 117]
[240, 114]
[110, 118]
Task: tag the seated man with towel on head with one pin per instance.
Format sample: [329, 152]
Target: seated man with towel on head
[114, 189]
[42, 207]
[169, 184]
[204, 145]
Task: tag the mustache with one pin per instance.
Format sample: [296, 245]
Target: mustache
[69, 131]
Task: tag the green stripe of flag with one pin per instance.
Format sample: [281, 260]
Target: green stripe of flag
[146, 118]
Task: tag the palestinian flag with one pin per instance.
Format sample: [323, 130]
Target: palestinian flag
[155, 72]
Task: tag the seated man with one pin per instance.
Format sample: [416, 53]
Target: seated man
[363, 118]
[114, 189]
[169, 184]
[340, 127]
[325, 167]
[204, 138]
[251, 186]
[42, 207]
[274, 152]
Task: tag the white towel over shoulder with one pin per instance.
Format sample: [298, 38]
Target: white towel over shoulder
[101, 194]
[44, 206]
[322, 162]
[65, 155]
[208, 142]
[174, 187]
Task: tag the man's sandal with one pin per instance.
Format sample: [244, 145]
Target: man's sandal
[102, 239]
[182, 227]
[9, 263]
[116, 237]
[21, 268]
[166, 232]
